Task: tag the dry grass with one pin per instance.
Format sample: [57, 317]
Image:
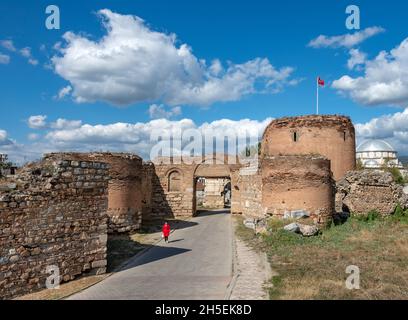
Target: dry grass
[65, 289]
[315, 268]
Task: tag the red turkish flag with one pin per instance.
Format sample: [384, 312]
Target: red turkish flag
[320, 82]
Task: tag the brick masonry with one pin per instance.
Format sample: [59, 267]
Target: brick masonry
[53, 213]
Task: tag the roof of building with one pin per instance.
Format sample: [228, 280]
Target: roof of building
[375, 145]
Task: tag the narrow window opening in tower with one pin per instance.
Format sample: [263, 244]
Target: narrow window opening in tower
[295, 136]
[344, 135]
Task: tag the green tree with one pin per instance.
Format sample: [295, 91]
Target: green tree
[396, 173]
[359, 165]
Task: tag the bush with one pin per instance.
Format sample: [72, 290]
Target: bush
[370, 216]
[396, 174]
[399, 212]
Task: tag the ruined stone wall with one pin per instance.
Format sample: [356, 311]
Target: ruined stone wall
[167, 203]
[363, 191]
[250, 182]
[125, 192]
[236, 207]
[125, 187]
[293, 183]
[148, 171]
[53, 213]
[213, 193]
[330, 136]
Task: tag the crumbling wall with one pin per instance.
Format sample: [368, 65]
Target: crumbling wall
[363, 191]
[125, 187]
[250, 182]
[148, 171]
[214, 193]
[298, 183]
[53, 213]
[328, 135]
[236, 205]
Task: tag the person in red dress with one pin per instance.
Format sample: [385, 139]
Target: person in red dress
[166, 232]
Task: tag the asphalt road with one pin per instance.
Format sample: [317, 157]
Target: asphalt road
[195, 265]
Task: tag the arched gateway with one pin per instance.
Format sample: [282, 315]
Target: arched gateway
[178, 182]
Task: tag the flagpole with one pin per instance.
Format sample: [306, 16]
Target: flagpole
[317, 96]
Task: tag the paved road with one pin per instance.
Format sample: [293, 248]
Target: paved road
[196, 264]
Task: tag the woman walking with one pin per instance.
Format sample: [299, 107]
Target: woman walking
[166, 232]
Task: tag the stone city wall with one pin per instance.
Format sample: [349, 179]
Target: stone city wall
[363, 191]
[214, 193]
[125, 187]
[250, 182]
[52, 213]
[298, 183]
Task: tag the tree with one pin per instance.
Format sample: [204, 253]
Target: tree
[359, 165]
[396, 173]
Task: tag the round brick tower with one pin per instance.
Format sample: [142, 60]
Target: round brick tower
[124, 195]
[331, 136]
[298, 184]
[124, 187]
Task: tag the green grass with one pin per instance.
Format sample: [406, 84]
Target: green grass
[314, 267]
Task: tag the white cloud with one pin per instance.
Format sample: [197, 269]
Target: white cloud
[346, 40]
[137, 137]
[37, 122]
[127, 137]
[33, 136]
[8, 44]
[385, 126]
[385, 80]
[133, 63]
[26, 53]
[159, 111]
[66, 124]
[64, 92]
[3, 135]
[357, 58]
[4, 140]
[392, 127]
[4, 59]
[33, 62]
[216, 67]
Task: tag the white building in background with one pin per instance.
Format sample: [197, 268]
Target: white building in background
[376, 153]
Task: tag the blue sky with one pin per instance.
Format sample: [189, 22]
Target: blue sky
[233, 32]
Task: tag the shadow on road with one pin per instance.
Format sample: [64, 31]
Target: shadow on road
[177, 240]
[204, 213]
[155, 253]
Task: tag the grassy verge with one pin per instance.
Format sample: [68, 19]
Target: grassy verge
[65, 289]
[315, 268]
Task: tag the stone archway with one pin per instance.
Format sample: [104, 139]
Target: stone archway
[212, 175]
[174, 183]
